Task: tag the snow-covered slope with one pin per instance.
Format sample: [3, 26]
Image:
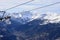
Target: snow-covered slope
[24, 17]
[51, 17]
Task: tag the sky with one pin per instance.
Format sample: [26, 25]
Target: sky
[5, 4]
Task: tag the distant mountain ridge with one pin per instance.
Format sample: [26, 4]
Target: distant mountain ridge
[49, 17]
[36, 29]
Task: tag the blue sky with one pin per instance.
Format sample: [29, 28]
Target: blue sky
[4, 4]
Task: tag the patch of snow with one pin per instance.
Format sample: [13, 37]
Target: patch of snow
[27, 16]
[51, 17]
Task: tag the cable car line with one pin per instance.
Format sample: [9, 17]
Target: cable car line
[16, 6]
[8, 17]
[29, 10]
[45, 6]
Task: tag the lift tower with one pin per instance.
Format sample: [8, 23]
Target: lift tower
[2, 17]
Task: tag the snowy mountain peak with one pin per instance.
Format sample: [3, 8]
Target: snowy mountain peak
[51, 17]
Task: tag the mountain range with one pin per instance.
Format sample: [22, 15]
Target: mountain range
[44, 26]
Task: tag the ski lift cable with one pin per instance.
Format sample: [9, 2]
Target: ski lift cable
[16, 6]
[45, 6]
[32, 9]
